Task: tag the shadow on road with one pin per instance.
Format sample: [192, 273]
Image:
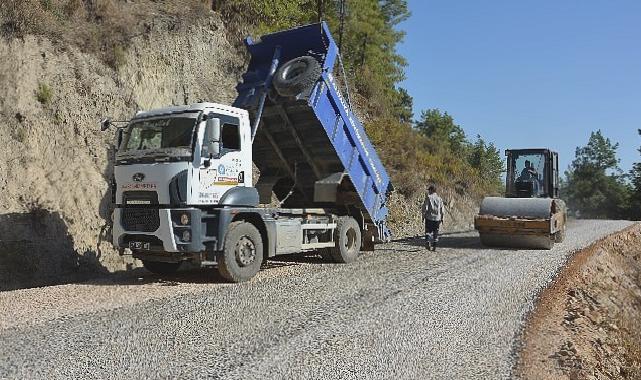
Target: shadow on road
[36, 249]
[193, 274]
[453, 240]
[190, 274]
[445, 241]
[295, 259]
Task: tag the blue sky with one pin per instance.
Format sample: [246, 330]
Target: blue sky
[530, 73]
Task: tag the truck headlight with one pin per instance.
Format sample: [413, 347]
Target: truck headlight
[186, 236]
[184, 219]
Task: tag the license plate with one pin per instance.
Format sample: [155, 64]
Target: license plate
[139, 245]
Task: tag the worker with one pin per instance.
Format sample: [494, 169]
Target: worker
[528, 172]
[432, 213]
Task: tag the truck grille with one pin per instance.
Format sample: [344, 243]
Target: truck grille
[140, 198]
[140, 219]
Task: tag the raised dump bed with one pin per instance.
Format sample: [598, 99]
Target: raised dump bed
[310, 148]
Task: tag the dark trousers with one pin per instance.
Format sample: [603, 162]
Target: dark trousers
[431, 228]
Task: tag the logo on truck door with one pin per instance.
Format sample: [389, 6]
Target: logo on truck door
[138, 177]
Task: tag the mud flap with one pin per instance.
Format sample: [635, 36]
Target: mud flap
[265, 186]
[368, 240]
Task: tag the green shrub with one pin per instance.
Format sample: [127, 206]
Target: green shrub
[44, 93]
[119, 56]
[20, 134]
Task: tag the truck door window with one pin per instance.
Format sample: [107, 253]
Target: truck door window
[230, 136]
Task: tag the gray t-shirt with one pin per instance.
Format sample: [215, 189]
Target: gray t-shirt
[433, 207]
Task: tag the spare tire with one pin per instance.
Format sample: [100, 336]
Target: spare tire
[296, 76]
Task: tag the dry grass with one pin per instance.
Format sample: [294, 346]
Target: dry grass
[101, 27]
[19, 134]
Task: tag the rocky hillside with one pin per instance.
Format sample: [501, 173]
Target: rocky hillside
[54, 165]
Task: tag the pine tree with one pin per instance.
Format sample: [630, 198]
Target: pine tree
[634, 211]
[486, 160]
[594, 185]
[442, 131]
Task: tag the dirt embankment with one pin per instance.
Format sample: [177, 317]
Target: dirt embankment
[587, 325]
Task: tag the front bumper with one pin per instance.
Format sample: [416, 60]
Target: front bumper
[167, 237]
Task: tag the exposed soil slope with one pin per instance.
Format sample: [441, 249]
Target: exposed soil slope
[587, 325]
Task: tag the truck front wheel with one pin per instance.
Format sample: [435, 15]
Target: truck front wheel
[243, 252]
[158, 267]
[347, 238]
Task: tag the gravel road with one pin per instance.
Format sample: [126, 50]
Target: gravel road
[399, 312]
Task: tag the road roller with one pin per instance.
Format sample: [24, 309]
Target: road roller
[531, 215]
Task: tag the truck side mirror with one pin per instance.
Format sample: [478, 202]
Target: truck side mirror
[119, 135]
[105, 124]
[212, 136]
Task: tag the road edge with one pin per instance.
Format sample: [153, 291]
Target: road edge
[573, 260]
[548, 296]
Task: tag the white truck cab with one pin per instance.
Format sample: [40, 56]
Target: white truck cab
[183, 191]
[205, 149]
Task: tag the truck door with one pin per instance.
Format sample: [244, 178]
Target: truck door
[216, 175]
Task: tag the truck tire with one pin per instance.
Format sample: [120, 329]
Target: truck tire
[296, 75]
[347, 237]
[158, 267]
[243, 252]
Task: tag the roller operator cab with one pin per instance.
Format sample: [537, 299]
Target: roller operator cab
[532, 173]
[531, 215]
[183, 187]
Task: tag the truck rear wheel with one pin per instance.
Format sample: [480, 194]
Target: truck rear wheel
[296, 75]
[243, 252]
[347, 237]
[158, 267]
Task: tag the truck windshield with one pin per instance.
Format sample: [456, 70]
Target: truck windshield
[175, 132]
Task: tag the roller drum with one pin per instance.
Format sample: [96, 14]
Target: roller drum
[505, 214]
[525, 208]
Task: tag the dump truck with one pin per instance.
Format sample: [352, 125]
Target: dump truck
[183, 187]
[531, 215]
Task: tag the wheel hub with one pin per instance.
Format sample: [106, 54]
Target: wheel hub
[245, 251]
[350, 242]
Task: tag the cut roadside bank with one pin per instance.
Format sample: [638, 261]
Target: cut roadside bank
[587, 323]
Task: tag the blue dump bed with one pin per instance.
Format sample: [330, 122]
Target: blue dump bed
[311, 149]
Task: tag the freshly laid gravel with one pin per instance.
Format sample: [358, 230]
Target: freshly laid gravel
[400, 312]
